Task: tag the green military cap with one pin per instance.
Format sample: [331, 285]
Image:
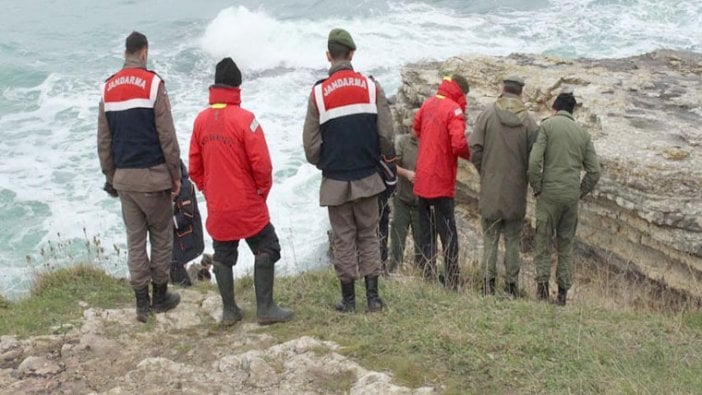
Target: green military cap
[514, 80]
[341, 36]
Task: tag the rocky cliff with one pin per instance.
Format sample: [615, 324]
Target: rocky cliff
[644, 114]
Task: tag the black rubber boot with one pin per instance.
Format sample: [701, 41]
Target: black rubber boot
[164, 300]
[512, 290]
[374, 301]
[267, 311]
[542, 291]
[143, 304]
[179, 276]
[489, 287]
[231, 314]
[348, 298]
[562, 295]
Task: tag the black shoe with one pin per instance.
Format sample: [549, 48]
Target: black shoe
[164, 300]
[231, 313]
[375, 303]
[267, 311]
[562, 295]
[143, 304]
[512, 290]
[179, 276]
[489, 287]
[542, 291]
[347, 304]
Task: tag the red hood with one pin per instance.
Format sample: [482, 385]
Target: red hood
[451, 90]
[225, 94]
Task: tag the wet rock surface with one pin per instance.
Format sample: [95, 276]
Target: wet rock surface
[644, 114]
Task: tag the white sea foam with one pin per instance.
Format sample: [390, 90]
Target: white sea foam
[47, 152]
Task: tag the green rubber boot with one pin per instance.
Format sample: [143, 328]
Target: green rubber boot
[231, 313]
[267, 311]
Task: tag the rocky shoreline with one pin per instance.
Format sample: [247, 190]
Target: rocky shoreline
[643, 112]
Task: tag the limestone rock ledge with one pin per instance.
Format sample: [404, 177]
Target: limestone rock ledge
[644, 114]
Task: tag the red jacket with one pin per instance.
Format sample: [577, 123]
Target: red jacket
[230, 164]
[440, 125]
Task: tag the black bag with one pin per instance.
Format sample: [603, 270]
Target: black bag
[188, 237]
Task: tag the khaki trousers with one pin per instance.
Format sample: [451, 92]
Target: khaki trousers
[355, 239]
[560, 219]
[512, 232]
[148, 213]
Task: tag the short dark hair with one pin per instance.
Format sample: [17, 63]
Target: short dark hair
[136, 42]
[462, 83]
[512, 88]
[564, 102]
[338, 51]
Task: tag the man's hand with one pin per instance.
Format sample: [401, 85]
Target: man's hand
[110, 189]
[410, 176]
[175, 190]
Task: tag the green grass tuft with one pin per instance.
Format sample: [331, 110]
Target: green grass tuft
[55, 296]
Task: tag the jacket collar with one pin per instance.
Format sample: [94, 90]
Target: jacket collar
[566, 114]
[220, 93]
[341, 65]
[133, 62]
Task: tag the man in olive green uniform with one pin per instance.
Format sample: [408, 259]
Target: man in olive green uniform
[405, 214]
[500, 143]
[561, 152]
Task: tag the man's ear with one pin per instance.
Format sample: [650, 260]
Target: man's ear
[329, 57]
[353, 51]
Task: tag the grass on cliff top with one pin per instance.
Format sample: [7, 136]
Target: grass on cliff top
[55, 297]
[463, 343]
[457, 343]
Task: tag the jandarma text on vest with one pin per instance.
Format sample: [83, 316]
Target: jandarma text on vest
[359, 82]
[132, 80]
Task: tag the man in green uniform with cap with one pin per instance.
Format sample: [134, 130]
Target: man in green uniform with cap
[500, 143]
[562, 151]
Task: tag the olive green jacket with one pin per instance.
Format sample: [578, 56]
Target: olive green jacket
[500, 143]
[561, 152]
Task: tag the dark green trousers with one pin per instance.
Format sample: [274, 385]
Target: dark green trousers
[405, 215]
[560, 219]
[512, 231]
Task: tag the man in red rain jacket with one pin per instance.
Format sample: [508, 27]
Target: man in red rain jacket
[230, 163]
[440, 126]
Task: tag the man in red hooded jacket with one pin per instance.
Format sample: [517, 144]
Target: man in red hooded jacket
[230, 163]
[440, 125]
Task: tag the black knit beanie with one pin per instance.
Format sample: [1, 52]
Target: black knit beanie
[564, 102]
[227, 73]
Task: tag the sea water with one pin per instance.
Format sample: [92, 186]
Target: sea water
[55, 54]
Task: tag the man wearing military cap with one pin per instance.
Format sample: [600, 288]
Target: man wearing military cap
[500, 144]
[347, 128]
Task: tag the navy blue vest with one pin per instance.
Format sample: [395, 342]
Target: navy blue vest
[348, 117]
